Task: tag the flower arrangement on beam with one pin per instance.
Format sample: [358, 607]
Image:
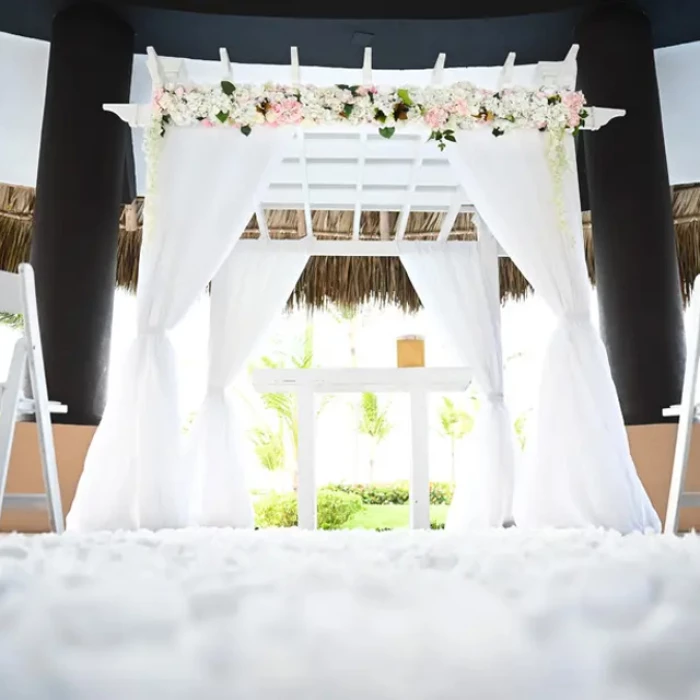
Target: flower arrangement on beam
[444, 110]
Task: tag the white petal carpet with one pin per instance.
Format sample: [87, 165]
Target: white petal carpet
[279, 615]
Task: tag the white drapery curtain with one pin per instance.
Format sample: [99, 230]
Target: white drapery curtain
[458, 286]
[207, 184]
[579, 470]
[248, 292]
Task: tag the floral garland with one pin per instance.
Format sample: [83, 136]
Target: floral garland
[444, 110]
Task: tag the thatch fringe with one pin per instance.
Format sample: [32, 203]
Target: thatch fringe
[347, 281]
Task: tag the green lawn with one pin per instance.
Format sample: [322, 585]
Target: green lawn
[373, 517]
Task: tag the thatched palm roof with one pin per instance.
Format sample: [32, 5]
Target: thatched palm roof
[343, 280]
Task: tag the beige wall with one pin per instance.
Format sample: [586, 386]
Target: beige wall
[72, 442]
[652, 449]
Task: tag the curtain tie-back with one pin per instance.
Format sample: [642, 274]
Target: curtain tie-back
[151, 332]
[495, 397]
[577, 317]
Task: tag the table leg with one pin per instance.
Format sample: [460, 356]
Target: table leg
[306, 459]
[419, 488]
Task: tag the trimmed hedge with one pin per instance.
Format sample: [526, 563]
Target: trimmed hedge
[395, 493]
[280, 509]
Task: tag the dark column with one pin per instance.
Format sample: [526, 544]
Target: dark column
[79, 188]
[634, 239]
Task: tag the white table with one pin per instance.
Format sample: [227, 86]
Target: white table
[418, 382]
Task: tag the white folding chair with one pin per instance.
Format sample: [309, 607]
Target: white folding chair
[688, 414]
[18, 296]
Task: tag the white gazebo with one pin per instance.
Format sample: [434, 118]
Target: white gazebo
[505, 153]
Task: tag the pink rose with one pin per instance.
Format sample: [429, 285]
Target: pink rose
[364, 90]
[179, 91]
[157, 96]
[460, 108]
[436, 117]
[573, 101]
[288, 111]
[207, 122]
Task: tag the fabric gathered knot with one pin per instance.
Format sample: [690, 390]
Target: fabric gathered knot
[151, 332]
[577, 317]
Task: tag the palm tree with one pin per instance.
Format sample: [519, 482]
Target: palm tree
[268, 443]
[269, 447]
[374, 423]
[455, 423]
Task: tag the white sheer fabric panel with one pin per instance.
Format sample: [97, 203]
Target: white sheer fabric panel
[249, 291]
[207, 185]
[458, 285]
[579, 470]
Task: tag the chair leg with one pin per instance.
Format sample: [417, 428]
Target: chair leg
[46, 448]
[8, 414]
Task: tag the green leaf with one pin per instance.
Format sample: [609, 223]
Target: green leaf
[347, 109]
[387, 131]
[343, 87]
[554, 100]
[166, 119]
[245, 130]
[405, 97]
[227, 87]
[222, 117]
[498, 132]
[380, 116]
[450, 137]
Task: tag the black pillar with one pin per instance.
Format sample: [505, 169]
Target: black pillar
[76, 218]
[635, 245]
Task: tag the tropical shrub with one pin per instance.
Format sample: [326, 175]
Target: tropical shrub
[335, 508]
[395, 493]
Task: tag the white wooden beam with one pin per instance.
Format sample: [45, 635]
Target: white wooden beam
[448, 221]
[559, 74]
[154, 68]
[598, 117]
[345, 248]
[261, 217]
[569, 69]
[354, 379]
[165, 71]
[384, 226]
[134, 115]
[296, 72]
[367, 67]
[357, 214]
[227, 71]
[402, 223]
[419, 480]
[439, 69]
[296, 80]
[505, 77]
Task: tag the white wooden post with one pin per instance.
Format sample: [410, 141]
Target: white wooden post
[419, 485]
[686, 417]
[306, 454]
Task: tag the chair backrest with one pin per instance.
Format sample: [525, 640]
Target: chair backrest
[11, 301]
[31, 316]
